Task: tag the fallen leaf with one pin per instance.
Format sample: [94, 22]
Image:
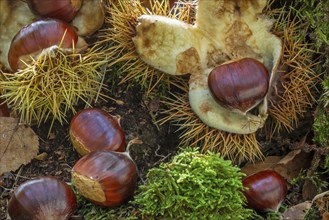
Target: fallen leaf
[298, 211]
[309, 190]
[322, 202]
[267, 164]
[291, 165]
[18, 144]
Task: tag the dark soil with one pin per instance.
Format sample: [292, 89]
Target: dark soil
[137, 120]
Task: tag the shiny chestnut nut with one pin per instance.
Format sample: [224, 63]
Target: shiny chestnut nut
[40, 35]
[265, 190]
[42, 198]
[105, 178]
[64, 10]
[4, 110]
[239, 84]
[95, 129]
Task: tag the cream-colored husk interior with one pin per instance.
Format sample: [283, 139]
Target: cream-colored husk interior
[223, 31]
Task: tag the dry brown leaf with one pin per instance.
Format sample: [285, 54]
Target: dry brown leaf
[18, 144]
[309, 190]
[267, 164]
[290, 166]
[322, 202]
[298, 211]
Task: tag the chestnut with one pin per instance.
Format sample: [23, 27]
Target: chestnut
[64, 9]
[40, 35]
[265, 190]
[105, 177]
[239, 84]
[4, 110]
[42, 198]
[95, 129]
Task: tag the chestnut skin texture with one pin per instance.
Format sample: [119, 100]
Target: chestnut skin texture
[95, 129]
[61, 9]
[42, 198]
[239, 84]
[39, 35]
[265, 190]
[4, 110]
[111, 175]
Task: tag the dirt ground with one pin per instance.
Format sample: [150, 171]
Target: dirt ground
[136, 112]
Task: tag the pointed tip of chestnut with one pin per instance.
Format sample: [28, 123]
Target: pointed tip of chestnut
[265, 190]
[105, 178]
[64, 10]
[42, 198]
[240, 84]
[95, 129]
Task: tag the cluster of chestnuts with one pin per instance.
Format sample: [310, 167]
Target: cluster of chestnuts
[105, 175]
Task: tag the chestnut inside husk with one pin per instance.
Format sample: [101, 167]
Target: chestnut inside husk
[37, 36]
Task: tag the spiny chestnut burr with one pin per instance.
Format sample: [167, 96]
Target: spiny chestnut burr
[95, 129]
[239, 84]
[265, 190]
[61, 9]
[105, 178]
[42, 198]
[40, 35]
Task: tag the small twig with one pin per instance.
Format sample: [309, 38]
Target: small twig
[159, 155]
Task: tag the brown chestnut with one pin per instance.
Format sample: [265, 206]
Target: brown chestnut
[106, 178]
[42, 198]
[265, 190]
[95, 129]
[4, 110]
[61, 9]
[239, 84]
[39, 35]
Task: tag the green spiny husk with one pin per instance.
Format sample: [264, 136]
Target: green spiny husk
[52, 85]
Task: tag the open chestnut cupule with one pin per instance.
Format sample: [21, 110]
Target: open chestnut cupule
[77, 12]
[235, 33]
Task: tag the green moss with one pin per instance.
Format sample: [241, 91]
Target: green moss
[325, 96]
[321, 128]
[90, 211]
[193, 186]
[316, 13]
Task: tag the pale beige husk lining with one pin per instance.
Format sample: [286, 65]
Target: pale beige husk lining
[223, 31]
